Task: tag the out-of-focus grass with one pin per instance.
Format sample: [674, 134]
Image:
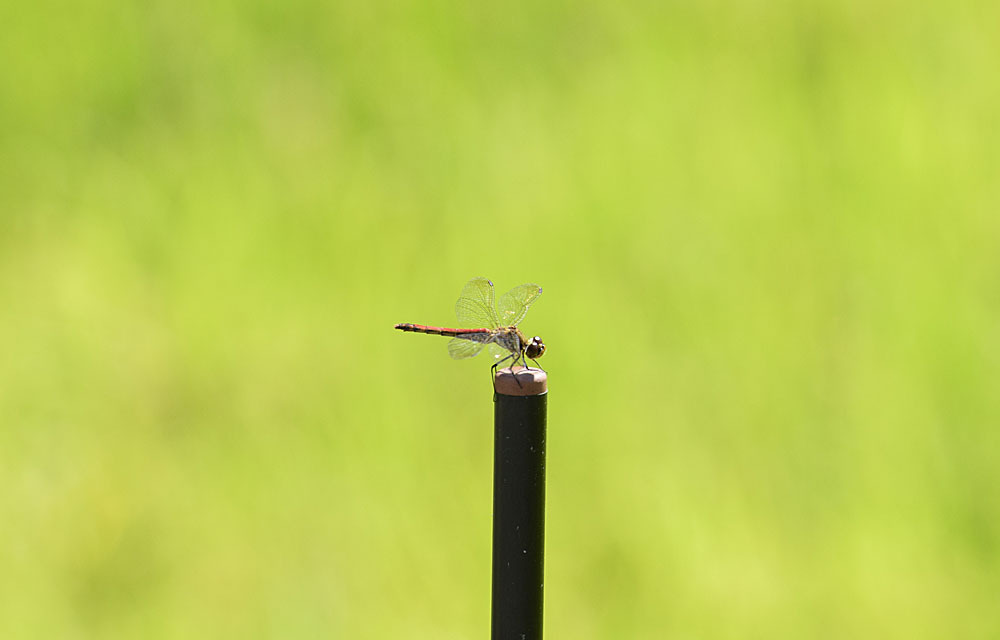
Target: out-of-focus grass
[768, 240]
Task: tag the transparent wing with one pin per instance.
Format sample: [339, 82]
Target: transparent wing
[475, 306]
[496, 351]
[512, 305]
[460, 349]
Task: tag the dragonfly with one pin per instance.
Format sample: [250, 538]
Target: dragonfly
[491, 323]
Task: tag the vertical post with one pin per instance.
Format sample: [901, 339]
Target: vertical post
[518, 503]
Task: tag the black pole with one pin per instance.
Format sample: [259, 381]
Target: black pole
[518, 504]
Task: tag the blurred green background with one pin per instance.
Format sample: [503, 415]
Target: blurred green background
[768, 238]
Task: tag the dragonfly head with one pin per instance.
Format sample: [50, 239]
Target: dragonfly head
[535, 348]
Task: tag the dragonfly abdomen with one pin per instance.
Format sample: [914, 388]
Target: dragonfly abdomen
[438, 331]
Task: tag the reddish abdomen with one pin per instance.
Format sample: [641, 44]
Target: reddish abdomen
[437, 331]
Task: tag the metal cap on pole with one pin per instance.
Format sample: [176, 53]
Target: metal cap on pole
[518, 503]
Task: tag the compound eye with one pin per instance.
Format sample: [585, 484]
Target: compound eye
[536, 348]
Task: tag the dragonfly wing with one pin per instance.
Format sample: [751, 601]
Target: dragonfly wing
[475, 306]
[514, 304]
[459, 349]
[497, 352]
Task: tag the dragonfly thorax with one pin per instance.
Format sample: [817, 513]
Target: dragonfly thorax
[511, 339]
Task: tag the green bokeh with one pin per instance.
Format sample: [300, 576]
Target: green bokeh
[768, 237]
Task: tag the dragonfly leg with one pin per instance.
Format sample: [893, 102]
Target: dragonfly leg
[496, 364]
[524, 360]
[518, 356]
[493, 371]
[499, 362]
[502, 360]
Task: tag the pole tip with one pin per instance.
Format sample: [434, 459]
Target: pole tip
[520, 381]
